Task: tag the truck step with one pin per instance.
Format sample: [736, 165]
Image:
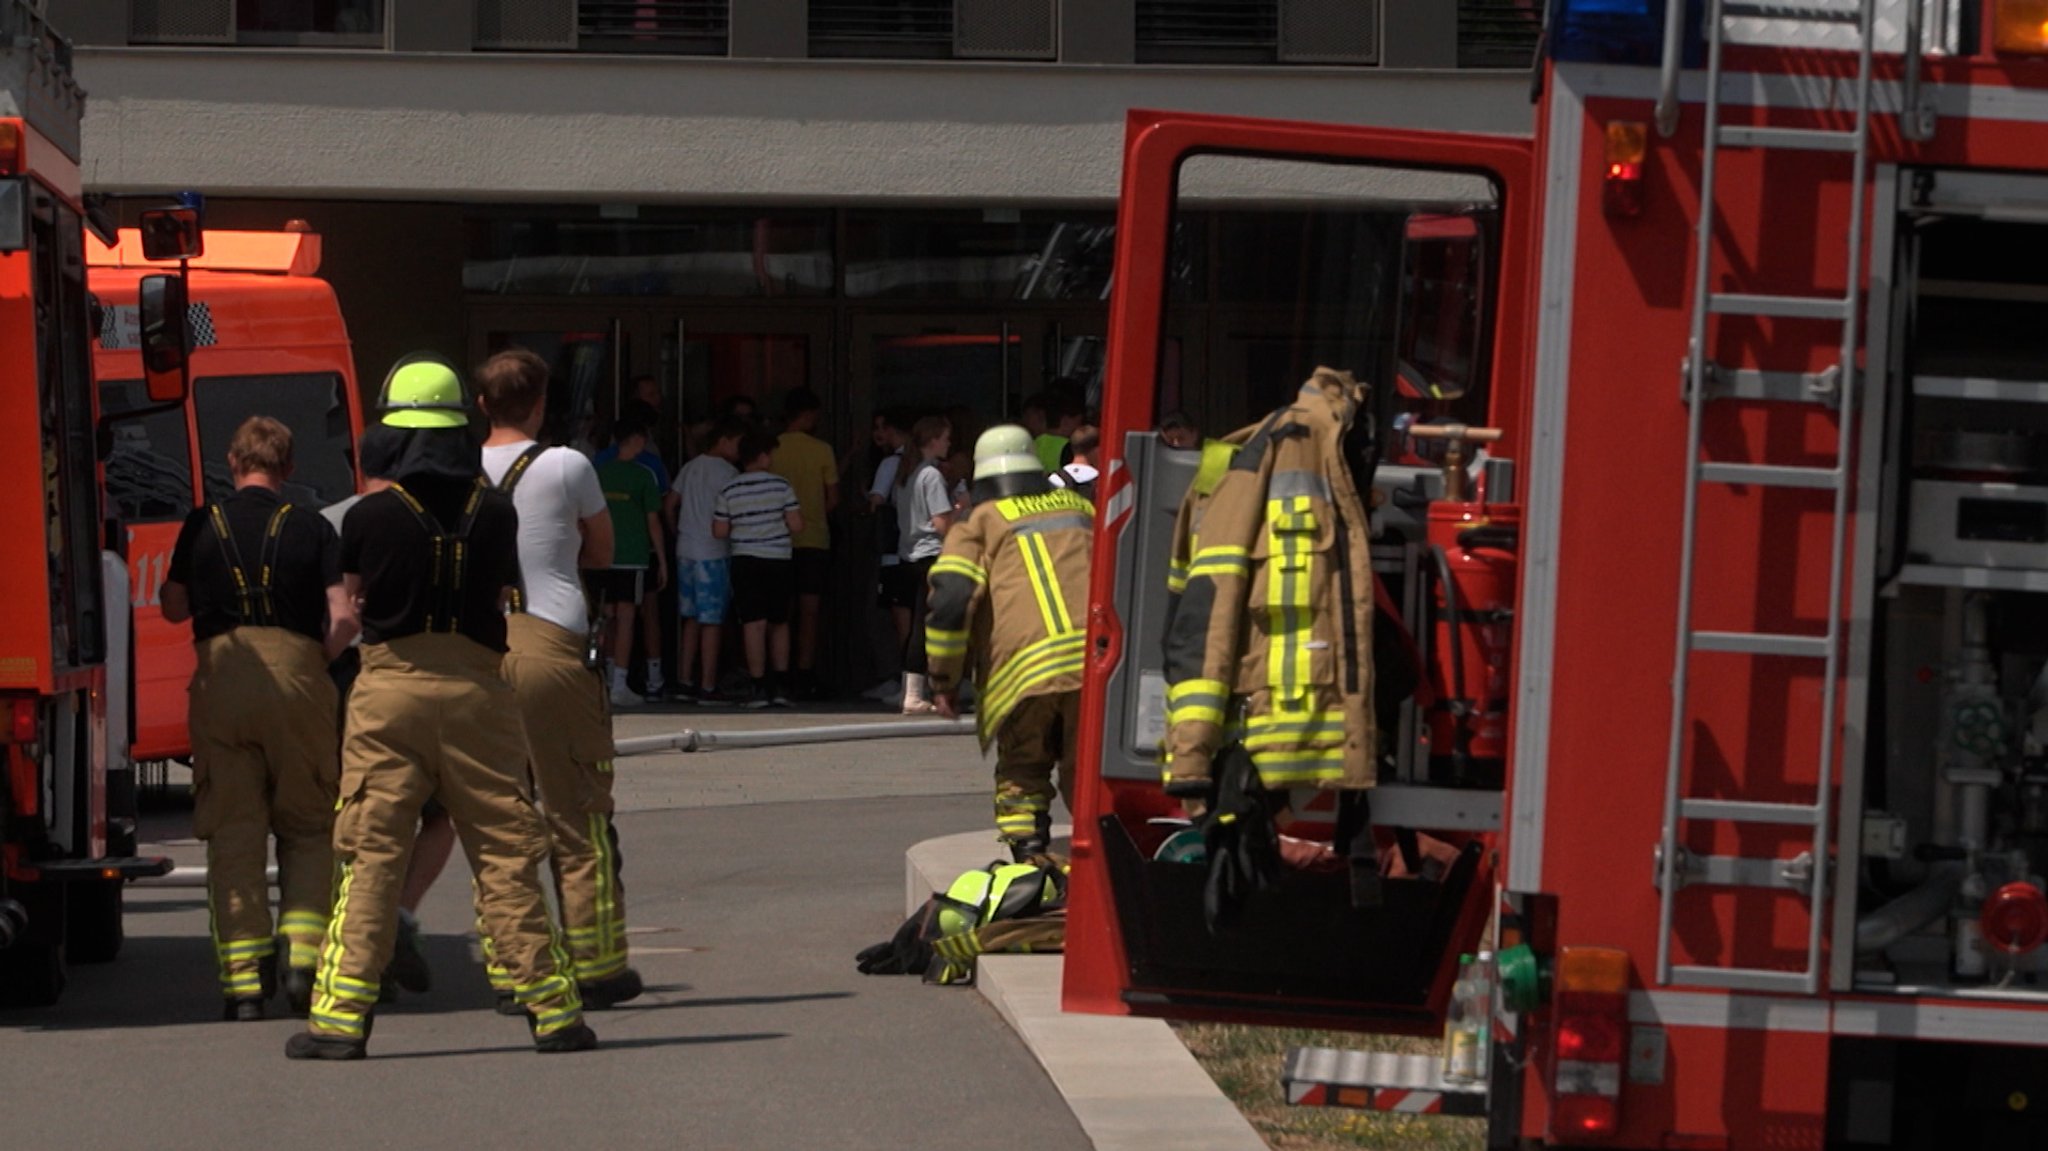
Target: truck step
[1761, 643]
[1771, 475]
[1746, 979]
[86, 870]
[1783, 307]
[1377, 1081]
[1740, 811]
[1789, 139]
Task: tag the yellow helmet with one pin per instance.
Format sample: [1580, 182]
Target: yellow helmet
[1005, 450]
[423, 391]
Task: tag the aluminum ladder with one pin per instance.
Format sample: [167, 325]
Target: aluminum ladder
[1807, 874]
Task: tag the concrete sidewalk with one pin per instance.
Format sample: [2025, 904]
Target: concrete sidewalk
[1131, 1082]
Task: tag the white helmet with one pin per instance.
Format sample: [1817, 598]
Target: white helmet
[1005, 450]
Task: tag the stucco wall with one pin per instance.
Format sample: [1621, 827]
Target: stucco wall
[477, 126]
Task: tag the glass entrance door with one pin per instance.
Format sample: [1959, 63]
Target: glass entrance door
[754, 355]
[590, 351]
[970, 366]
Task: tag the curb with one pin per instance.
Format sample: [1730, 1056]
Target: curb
[1131, 1084]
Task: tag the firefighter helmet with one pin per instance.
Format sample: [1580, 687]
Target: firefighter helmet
[423, 391]
[1005, 450]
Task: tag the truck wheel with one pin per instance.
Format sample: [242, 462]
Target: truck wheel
[93, 929]
[31, 974]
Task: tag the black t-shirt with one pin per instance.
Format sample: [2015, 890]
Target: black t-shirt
[307, 562]
[383, 541]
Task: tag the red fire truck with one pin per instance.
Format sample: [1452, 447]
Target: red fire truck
[267, 338]
[67, 794]
[1733, 742]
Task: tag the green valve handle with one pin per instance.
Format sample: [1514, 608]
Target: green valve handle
[1521, 980]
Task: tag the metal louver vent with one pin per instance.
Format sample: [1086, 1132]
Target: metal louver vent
[1007, 29]
[677, 27]
[531, 25]
[1498, 33]
[1198, 31]
[882, 28]
[1330, 31]
[181, 21]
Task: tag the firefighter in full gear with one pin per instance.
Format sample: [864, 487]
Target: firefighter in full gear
[1007, 594]
[261, 581]
[1269, 633]
[433, 559]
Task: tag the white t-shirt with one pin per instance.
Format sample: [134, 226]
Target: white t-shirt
[698, 485]
[921, 499]
[558, 492]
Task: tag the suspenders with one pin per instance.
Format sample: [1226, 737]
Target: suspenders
[513, 475]
[450, 552]
[254, 605]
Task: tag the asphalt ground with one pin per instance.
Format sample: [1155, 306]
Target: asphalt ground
[751, 878]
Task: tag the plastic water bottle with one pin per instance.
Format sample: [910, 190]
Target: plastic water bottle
[1468, 1025]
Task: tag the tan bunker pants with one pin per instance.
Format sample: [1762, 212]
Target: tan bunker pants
[430, 718]
[1035, 743]
[262, 717]
[569, 735]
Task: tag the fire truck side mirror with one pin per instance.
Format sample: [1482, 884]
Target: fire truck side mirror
[166, 338]
[172, 234]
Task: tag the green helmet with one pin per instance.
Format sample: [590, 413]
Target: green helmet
[423, 391]
[1005, 450]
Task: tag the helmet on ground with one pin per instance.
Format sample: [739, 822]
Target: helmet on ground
[423, 391]
[1005, 450]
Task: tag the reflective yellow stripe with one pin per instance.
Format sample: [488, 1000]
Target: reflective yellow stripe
[1292, 768]
[1045, 583]
[248, 948]
[1048, 658]
[1214, 562]
[960, 566]
[1196, 701]
[332, 950]
[1057, 500]
[1291, 533]
[1295, 729]
[941, 642]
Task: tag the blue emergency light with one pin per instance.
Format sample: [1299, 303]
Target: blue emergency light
[1621, 31]
[195, 201]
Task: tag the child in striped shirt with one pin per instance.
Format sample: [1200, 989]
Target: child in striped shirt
[757, 513]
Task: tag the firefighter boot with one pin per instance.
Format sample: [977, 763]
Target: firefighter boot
[307, 1045]
[577, 1038]
[604, 994]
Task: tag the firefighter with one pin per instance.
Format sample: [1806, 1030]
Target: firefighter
[564, 526]
[434, 560]
[1270, 628]
[1008, 589]
[260, 579]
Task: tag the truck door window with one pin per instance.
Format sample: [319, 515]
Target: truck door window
[1378, 270]
[70, 483]
[149, 473]
[314, 405]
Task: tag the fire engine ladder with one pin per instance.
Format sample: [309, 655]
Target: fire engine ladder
[1806, 874]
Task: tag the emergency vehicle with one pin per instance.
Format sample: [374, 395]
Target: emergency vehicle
[67, 794]
[267, 339]
[1733, 743]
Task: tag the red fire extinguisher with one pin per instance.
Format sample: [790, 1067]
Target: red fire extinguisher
[1471, 568]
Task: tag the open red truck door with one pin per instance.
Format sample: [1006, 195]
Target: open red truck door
[1261, 250]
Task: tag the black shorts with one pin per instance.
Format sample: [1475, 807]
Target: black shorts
[899, 586]
[624, 585]
[762, 589]
[813, 571]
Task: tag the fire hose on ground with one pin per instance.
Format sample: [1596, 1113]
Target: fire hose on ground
[692, 740]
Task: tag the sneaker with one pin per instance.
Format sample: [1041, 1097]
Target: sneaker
[656, 691]
[894, 696]
[242, 1011]
[298, 990]
[408, 968]
[626, 697]
[920, 707]
[685, 693]
[306, 1045]
[882, 691]
[779, 693]
[568, 1039]
[756, 697]
[605, 994]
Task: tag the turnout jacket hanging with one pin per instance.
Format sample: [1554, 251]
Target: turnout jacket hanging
[1270, 609]
[1007, 593]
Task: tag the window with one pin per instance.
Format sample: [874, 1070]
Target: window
[320, 17]
[312, 404]
[1378, 271]
[991, 254]
[882, 28]
[1208, 31]
[149, 473]
[679, 27]
[709, 254]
